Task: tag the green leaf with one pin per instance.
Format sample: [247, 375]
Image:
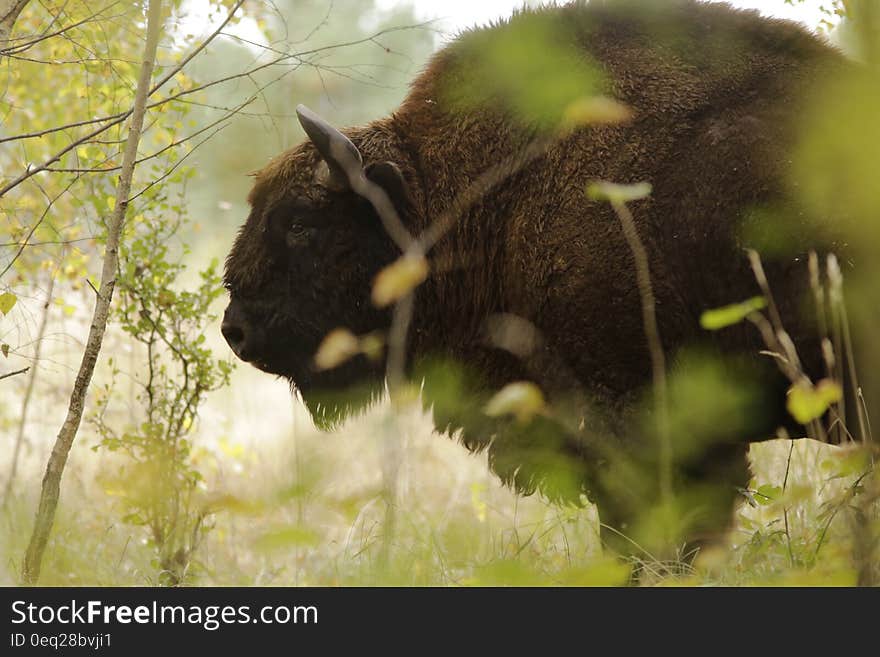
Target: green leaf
[807, 402]
[286, 537]
[530, 67]
[589, 110]
[7, 301]
[615, 194]
[767, 494]
[719, 318]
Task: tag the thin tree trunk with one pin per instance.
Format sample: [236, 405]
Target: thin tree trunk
[55, 468]
[28, 393]
[9, 11]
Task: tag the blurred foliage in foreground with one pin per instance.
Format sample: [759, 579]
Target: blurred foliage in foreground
[316, 516]
[382, 501]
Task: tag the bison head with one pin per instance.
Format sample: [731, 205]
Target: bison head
[303, 263]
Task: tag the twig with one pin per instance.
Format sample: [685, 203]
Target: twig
[8, 374]
[850, 493]
[94, 289]
[761, 278]
[400, 322]
[119, 118]
[835, 280]
[785, 508]
[174, 144]
[21, 47]
[204, 44]
[22, 245]
[493, 176]
[116, 119]
[176, 164]
[28, 393]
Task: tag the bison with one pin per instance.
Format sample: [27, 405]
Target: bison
[534, 280]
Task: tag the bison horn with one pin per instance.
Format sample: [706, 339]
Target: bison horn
[341, 155]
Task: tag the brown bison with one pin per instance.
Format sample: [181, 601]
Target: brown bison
[534, 280]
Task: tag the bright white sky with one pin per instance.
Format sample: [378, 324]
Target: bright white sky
[455, 15]
[458, 14]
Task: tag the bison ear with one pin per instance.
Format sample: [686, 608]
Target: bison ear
[341, 155]
[390, 178]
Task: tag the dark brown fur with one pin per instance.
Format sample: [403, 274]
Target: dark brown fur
[715, 96]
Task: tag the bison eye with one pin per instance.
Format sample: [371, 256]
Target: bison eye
[298, 235]
[288, 221]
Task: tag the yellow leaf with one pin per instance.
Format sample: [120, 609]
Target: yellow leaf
[398, 279]
[337, 347]
[613, 193]
[521, 399]
[7, 301]
[807, 402]
[233, 451]
[595, 109]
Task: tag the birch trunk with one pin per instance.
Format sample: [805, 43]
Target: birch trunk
[55, 468]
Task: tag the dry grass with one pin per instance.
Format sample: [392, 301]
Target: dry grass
[296, 506]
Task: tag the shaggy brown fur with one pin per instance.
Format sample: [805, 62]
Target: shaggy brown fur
[715, 94]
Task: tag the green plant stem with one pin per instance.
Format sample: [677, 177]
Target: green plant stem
[655, 346]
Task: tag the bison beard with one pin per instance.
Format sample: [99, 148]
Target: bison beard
[714, 94]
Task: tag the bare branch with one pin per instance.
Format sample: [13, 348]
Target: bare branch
[21, 47]
[204, 44]
[36, 225]
[114, 119]
[31, 171]
[28, 393]
[8, 374]
[119, 118]
[176, 164]
[174, 144]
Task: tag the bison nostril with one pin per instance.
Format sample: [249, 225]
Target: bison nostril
[234, 335]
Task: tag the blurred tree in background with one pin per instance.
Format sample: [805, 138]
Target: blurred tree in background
[62, 156]
[349, 84]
